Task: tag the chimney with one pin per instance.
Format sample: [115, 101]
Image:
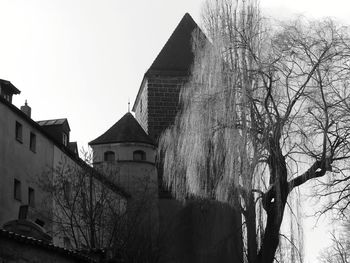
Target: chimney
[26, 109]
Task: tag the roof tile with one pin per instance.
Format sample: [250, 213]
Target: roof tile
[127, 129]
[177, 55]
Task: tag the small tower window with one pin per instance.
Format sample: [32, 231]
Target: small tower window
[32, 142]
[31, 197]
[65, 139]
[109, 156]
[139, 155]
[17, 190]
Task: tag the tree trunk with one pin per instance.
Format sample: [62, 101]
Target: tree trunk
[274, 205]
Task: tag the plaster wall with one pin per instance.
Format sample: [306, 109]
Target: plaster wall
[66, 168]
[17, 161]
[139, 178]
[123, 151]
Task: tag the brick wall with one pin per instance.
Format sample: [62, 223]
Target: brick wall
[159, 101]
[163, 102]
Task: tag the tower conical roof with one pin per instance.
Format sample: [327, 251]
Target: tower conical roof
[127, 129]
[177, 55]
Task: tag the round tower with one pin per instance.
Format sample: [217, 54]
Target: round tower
[126, 154]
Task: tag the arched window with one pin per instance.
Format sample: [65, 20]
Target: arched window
[109, 156]
[139, 155]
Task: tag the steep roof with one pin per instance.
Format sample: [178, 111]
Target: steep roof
[127, 129]
[8, 85]
[177, 55]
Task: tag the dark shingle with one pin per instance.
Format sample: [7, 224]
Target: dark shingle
[52, 122]
[177, 55]
[8, 85]
[127, 129]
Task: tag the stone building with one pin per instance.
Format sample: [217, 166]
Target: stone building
[157, 100]
[194, 231]
[129, 147]
[128, 155]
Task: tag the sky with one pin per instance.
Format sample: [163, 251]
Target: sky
[85, 59]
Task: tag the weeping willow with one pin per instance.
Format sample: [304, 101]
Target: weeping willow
[210, 147]
[211, 151]
[245, 109]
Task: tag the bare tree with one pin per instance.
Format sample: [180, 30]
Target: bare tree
[91, 211]
[86, 211]
[339, 250]
[266, 110]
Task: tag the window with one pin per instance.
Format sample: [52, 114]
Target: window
[17, 190]
[31, 197]
[109, 156]
[139, 155]
[66, 243]
[67, 189]
[7, 97]
[32, 142]
[141, 106]
[18, 131]
[64, 139]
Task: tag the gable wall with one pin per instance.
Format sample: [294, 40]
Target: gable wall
[141, 109]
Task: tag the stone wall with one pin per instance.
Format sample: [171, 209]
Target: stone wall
[141, 110]
[163, 102]
[18, 161]
[199, 232]
[158, 102]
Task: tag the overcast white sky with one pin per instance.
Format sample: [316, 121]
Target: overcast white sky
[83, 59]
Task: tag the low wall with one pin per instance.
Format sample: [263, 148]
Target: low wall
[21, 249]
[199, 232]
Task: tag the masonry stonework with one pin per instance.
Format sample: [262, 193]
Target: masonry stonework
[141, 112]
[163, 102]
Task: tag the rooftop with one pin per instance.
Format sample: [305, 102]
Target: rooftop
[177, 55]
[127, 129]
[52, 122]
[7, 84]
[43, 245]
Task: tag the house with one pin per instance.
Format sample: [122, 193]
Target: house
[36, 152]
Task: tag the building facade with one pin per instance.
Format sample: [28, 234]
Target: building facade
[35, 159]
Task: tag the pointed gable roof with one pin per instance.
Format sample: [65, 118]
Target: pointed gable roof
[127, 129]
[177, 55]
